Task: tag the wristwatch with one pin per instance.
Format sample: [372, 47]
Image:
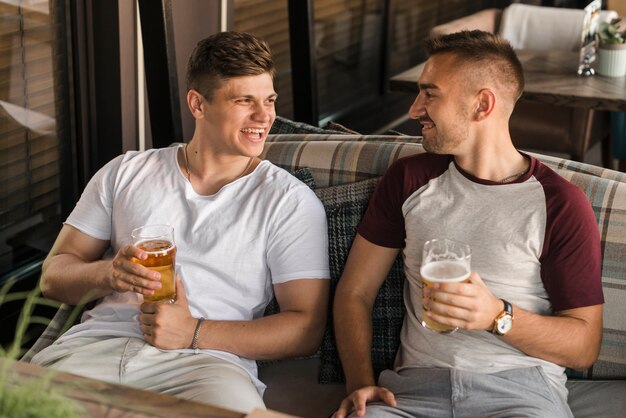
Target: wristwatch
[503, 322]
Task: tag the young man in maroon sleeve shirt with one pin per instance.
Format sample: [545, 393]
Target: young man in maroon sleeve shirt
[533, 305]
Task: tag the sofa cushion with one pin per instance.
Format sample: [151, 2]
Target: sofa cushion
[608, 200]
[563, 167]
[305, 176]
[333, 160]
[285, 126]
[345, 205]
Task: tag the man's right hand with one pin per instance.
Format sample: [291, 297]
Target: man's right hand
[125, 275]
[358, 399]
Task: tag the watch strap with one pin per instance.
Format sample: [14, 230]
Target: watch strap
[508, 311]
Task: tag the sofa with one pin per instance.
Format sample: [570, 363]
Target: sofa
[343, 168]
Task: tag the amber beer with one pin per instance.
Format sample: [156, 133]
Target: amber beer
[443, 261]
[446, 271]
[158, 242]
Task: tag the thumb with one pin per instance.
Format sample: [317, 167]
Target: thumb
[475, 278]
[181, 296]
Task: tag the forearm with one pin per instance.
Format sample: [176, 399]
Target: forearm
[353, 335]
[567, 340]
[283, 335]
[69, 279]
[365, 271]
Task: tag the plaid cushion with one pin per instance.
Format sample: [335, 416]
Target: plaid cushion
[63, 319]
[336, 162]
[608, 200]
[345, 205]
[285, 126]
[562, 165]
[305, 176]
[342, 137]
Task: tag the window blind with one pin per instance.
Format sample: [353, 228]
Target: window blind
[29, 146]
[349, 46]
[268, 19]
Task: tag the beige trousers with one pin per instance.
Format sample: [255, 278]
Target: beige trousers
[133, 362]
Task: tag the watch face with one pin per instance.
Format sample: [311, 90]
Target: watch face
[504, 324]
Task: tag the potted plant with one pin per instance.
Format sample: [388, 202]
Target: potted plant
[611, 49]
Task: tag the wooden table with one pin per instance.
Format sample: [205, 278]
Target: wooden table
[550, 78]
[101, 399]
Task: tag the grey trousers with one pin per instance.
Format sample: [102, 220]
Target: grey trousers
[133, 362]
[444, 393]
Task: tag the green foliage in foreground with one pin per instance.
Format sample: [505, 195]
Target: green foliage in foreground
[33, 398]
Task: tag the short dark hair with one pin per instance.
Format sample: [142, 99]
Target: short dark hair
[226, 55]
[491, 51]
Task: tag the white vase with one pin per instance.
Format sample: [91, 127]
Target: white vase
[612, 60]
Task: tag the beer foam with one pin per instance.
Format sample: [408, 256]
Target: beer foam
[445, 271]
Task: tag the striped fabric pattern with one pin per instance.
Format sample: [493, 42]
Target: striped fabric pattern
[337, 162]
[52, 331]
[334, 162]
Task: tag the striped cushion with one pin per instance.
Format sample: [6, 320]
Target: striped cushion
[285, 126]
[561, 165]
[345, 205]
[608, 200]
[64, 317]
[338, 162]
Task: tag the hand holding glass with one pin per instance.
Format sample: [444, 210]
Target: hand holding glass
[443, 261]
[158, 242]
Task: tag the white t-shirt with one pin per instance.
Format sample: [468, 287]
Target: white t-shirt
[262, 229]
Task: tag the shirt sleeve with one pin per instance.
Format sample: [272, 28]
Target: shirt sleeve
[92, 213]
[383, 221]
[571, 262]
[298, 241]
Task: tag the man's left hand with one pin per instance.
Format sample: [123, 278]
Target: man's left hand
[168, 326]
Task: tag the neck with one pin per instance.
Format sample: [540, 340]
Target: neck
[208, 173]
[498, 160]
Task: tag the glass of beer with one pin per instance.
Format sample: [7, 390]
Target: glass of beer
[443, 261]
[158, 242]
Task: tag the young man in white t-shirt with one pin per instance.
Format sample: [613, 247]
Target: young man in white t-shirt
[533, 305]
[245, 231]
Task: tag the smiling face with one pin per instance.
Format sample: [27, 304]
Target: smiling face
[238, 118]
[442, 106]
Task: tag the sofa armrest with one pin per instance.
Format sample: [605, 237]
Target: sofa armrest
[487, 20]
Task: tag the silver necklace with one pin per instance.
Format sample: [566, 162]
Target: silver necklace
[514, 176]
[189, 172]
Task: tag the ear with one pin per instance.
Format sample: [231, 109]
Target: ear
[486, 102]
[195, 103]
